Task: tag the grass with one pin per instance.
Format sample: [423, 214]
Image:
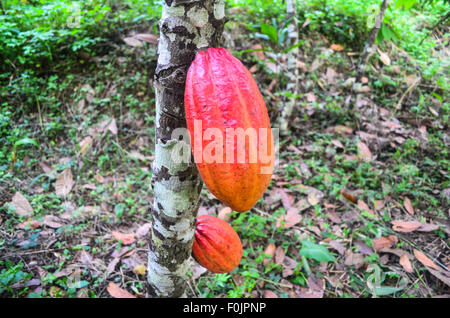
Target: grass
[55, 101]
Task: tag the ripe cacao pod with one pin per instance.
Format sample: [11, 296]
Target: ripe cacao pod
[217, 246]
[223, 97]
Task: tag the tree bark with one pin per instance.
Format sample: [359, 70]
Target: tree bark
[369, 47]
[186, 26]
[292, 68]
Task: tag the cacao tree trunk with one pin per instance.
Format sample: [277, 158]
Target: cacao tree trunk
[292, 67]
[186, 26]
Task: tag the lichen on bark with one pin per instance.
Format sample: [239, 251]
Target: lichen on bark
[186, 26]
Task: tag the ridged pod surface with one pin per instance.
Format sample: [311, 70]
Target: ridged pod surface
[223, 97]
[217, 246]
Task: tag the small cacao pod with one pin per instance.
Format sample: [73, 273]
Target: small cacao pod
[223, 102]
[217, 246]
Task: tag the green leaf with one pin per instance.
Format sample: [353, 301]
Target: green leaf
[317, 252]
[282, 36]
[386, 290]
[406, 4]
[81, 284]
[255, 50]
[270, 31]
[439, 97]
[387, 34]
[26, 141]
[296, 45]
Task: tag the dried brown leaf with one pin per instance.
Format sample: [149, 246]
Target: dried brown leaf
[52, 221]
[363, 247]
[132, 41]
[405, 226]
[381, 242]
[46, 167]
[426, 227]
[333, 217]
[21, 205]
[90, 186]
[268, 253]
[259, 53]
[253, 69]
[354, 259]
[143, 229]
[306, 23]
[330, 75]
[225, 213]
[425, 260]
[379, 204]
[149, 38]
[433, 111]
[410, 79]
[339, 129]
[337, 47]
[112, 127]
[29, 224]
[364, 207]
[112, 265]
[364, 152]
[117, 292]
[396, 251]
[126, 239]
[443, 276]
[330, 206]
[393, 239]
[311, 97]
[338, 247]
[313, 199]
[269, 294]
[408, 206]
[286, 199]
[349, 197]
[302, 65]
[290, 219]
[406, 264]
[384, 57]
[137, 155]
[316, 288]
[289, 265]
[197, 270]
[279, 255]
[85, 144]
[337, 143]
[273, 67]
[392, 125]
[64, 183]
[99, 178]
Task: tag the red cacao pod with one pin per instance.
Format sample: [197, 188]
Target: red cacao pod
[217, 246]
[223, 103]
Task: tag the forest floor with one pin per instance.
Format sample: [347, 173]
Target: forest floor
[359, 204]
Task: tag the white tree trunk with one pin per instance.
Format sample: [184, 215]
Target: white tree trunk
[292, 66]
[186, 26]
